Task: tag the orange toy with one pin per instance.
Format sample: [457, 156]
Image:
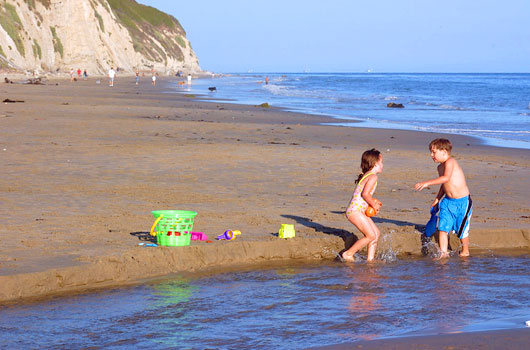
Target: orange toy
[371, 211]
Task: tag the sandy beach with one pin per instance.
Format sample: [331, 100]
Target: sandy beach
[83, 165]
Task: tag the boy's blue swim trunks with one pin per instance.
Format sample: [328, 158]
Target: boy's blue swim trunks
[455, 215]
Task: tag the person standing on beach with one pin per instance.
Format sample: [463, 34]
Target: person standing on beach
[371, 165]
[112, 74]
[154, 79]
[137, 77]
[71, 74]
[456, 207]
[189, 79]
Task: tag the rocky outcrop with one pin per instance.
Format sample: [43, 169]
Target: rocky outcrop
[58, 35]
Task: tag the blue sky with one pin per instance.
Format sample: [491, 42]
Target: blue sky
[356, 35]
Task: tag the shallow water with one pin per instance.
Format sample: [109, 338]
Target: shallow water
[283, 307]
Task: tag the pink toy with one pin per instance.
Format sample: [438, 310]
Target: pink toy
[198, 236]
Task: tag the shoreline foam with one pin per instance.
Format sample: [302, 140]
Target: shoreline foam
[363, 111]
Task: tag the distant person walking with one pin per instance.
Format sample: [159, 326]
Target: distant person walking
[137, 77]
[71, 74]
[112, 74]
[153, 79]
[79, 72]
[85, 75]
[189, 79]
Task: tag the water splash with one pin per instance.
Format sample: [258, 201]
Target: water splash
[429, 247]
[489, 252]
[388, 254]
[339, 256]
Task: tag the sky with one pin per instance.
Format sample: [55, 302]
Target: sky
[356, 35]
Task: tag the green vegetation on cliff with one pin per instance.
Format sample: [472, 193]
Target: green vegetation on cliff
[130, 12]
[100, 20]
[145, 23]
[57, 45]
[11, 23]
[37, 51]
[31, 3]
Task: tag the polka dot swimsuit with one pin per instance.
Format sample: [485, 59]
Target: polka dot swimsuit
[357, 202]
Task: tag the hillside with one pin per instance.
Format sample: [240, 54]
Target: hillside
[57, 35]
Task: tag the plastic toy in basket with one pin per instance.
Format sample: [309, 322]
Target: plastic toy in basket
[173, 227]
[229, 235]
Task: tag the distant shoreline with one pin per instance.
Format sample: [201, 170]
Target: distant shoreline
[342, 120]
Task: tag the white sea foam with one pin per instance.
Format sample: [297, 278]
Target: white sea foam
[451, 107]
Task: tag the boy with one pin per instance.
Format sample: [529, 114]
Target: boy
[456, 208]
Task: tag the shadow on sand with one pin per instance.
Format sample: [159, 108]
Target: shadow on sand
[144, 236]
[350, 238]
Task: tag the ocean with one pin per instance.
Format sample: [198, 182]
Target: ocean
[287, 306]
[492, 107]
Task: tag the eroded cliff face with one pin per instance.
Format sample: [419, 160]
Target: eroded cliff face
[58, 35]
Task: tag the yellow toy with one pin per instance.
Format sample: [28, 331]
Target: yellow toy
[286, 231]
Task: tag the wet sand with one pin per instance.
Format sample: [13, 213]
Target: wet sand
[83, 165]
[514, 339]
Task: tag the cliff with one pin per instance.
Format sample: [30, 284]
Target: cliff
[57, 35]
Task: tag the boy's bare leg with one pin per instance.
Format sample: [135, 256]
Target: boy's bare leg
[465, 246]
[443, 240]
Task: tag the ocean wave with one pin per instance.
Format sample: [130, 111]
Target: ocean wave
[391, 98]
[452, 107]
[462, 130]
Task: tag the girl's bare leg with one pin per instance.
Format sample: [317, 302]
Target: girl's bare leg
[362, 223]
[372, 246]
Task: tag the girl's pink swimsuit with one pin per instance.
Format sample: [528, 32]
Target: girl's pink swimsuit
[357, 202]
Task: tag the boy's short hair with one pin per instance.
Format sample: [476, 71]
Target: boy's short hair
[441, 144]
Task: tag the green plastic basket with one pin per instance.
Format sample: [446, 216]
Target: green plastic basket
[173, 227]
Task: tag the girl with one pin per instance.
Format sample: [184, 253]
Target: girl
[371, 165]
